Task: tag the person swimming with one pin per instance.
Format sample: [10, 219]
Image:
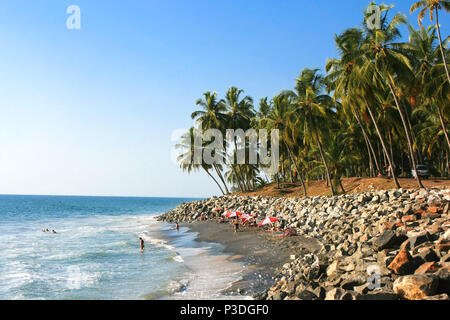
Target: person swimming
[142, 243]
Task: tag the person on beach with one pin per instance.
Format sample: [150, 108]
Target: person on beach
[142, 243]
[236, 225]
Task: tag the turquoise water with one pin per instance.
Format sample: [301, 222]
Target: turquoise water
[95, 252]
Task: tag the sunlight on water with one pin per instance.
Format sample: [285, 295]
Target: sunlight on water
[95, 252]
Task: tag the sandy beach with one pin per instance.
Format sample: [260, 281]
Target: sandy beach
[261, 252]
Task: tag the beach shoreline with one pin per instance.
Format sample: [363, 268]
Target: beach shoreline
[261, 253]
[402, 237]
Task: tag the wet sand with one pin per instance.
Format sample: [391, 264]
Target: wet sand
[261, 252]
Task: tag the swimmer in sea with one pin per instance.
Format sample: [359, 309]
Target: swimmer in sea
[142, 243]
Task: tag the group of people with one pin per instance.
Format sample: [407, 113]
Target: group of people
[249, 223]
[47, 230]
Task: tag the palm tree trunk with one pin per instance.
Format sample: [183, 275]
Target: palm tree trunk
[390, 144]
[222, 179]
[299, 174]
[342, 186]
[212, 177]
[413, 136]
[394, 175]
[440, 44]
[238, 176]
[444, 127]
[366, 137]
[405, 126]
[327, 169]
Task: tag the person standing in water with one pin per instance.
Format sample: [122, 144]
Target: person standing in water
[142, 243]
[236, 225]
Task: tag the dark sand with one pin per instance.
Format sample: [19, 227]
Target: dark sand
[262, 252]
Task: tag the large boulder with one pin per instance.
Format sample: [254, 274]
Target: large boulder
[386, 241]
[403, 263]
[416, 287]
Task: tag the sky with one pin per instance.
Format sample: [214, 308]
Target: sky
[92, 111]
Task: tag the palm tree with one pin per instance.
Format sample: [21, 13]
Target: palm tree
[340, 157]
[433, 7]
[312, 111]
[239, 113]
[278, 118]
[212, 116]
[340, 77]
[186, 159]
[392, 66]
[424, 52]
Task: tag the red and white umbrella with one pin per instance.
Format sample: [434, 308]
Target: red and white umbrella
[246, 217]
[226, 213]
[268, 220]
[234, 214]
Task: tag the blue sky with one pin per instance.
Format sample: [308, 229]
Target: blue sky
[91, 111]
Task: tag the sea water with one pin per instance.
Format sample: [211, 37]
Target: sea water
[95, 251]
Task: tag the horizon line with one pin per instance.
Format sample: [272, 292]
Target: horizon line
[100, 196]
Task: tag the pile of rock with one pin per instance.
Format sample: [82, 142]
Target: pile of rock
[375, 245]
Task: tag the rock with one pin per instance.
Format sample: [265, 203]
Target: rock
[333, 269]
[428, 254]
[336, 294]
[362, 289]
[379, 296]
[403, 263]
[438, 297]
[428, 267]
[445, 258]
[349, 284]
[417, 238]
[320, 292]
[416, 287]
[280, 295]
[387, 240]
[444, 280]
[409, 218]
[307, 295]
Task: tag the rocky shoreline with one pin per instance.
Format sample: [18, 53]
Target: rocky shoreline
[384, 245]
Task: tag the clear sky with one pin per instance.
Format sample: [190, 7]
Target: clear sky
[92, 111]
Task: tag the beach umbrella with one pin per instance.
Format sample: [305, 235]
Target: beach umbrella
[226, 213]
[246, 216]
[234, 214]
[268, 220]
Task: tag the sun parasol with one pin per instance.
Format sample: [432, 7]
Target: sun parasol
[268, 220]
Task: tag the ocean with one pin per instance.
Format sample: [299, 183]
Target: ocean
[95, 254]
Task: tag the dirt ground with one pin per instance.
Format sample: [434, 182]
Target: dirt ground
[351, 185]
